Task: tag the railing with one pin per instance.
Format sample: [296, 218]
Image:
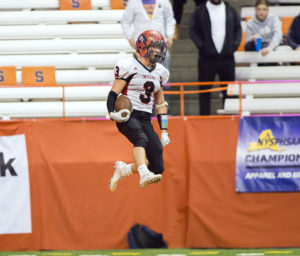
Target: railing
[182, 92]
[90, 98]
[284, 93]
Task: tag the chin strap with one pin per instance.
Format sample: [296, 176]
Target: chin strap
[161, 105]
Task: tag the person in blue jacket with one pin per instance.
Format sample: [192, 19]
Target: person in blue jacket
[294, 34]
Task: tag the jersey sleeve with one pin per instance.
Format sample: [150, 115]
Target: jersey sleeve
[165, 76]
[122, 69]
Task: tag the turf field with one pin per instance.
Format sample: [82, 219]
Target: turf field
[165, 252]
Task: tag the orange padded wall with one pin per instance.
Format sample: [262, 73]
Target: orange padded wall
[195, 205]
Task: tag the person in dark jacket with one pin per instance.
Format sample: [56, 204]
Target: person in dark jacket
[294, 34]
[215, 28]
[178, 6]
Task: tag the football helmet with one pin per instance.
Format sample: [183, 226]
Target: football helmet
[151, 44]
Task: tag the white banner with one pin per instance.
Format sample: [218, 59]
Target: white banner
[15, 212]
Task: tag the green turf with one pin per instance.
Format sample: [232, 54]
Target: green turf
[165, 252]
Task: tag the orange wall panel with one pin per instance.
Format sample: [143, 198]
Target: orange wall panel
[195, 205]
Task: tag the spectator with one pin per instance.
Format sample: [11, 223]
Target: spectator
[148, 15]
[265, 26]
[215, 28]
[294, 34]
[178, 10]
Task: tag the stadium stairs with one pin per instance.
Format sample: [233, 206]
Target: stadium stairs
[184, 58]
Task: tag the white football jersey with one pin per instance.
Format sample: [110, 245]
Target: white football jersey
[142, 83]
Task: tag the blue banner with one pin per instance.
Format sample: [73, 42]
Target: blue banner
[268, 154]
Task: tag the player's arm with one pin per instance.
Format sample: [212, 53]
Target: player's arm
[161, 105]
[116, 89]
[162, 116]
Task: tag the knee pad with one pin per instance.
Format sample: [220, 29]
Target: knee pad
[141, 143]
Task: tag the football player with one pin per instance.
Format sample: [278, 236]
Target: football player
[141, 78]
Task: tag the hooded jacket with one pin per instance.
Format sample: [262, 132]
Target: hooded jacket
[294, 33]
[200, 32]
[269, 30]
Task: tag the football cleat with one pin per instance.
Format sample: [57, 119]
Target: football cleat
[149, 178]
[120, 172]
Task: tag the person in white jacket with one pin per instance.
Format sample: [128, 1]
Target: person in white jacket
[141, 15]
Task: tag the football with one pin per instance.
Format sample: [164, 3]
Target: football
[123, 102]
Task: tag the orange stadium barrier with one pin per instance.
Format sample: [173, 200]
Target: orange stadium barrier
[75, 5]
[195, 205]
[8, 75]
[38, 75]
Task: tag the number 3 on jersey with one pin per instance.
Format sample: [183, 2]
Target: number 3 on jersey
[149, 88]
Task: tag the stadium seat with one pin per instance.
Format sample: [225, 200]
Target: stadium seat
[286, 22]
[242, 44]
[270, 89]
[45, 4]
[262, 106]
[62, 31]
[273, 57]
[60, 17]
[263, 98]
[268, 73]
[64, 60]
[83, 76]
[14, 47]
[35, 102]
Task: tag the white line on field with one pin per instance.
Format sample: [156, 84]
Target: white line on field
[250, 254]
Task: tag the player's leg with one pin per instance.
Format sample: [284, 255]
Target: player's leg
[146, 176]
[154, 150]
[133, 131]
[121, 170]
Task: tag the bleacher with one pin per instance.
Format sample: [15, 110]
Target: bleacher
[33, 35]
[82, 45]
[271, 97]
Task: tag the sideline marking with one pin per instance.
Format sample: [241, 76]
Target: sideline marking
[277, 252]
[93, 255]
[56, 253]
[170, 254]
[250, 254]
[126, 253]
[22, 255]
[204, 253]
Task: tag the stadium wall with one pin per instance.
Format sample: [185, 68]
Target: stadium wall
[70, 164]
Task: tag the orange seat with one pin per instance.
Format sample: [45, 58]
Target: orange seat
[242, 44]
[8, 75]
[38, 75]
[286, 22]
[75, 5]
[118, 4]
[248, 18]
